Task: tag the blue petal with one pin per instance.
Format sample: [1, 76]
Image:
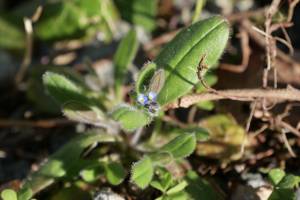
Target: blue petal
[142, 99]
[152, 96]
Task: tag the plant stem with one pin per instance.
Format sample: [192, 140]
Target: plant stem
[289, 94]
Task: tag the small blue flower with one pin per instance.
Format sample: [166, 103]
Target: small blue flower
[142, 99]
[152, 96]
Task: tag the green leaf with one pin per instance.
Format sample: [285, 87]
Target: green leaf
[142, 172]
[199, 188]
[226, 138]
[161, 158]
[71, 192]
[139, 12]
[206, 105]
[201, 134]
[66, 162]
[157, 185]
[65, 19]
[91, 173]
[63, 89]
[289, 181]
[11, 37]
[9, 194]
[177, 188]
[24, 194]
[282, 193]
[114, 173]
[276, 175]
[81, 112]
[145, 76]
[180, 58]
[182, 146]
[127, 50]
[36, 92]
[164, 181]
[130, 118]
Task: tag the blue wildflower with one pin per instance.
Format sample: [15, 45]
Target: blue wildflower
[142, 99]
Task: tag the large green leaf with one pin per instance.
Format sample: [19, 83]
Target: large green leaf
[180, 58]
[126, 52]
[142, 172]
[66, 162]
[130, 118]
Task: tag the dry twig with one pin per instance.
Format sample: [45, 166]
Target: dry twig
[239, 95]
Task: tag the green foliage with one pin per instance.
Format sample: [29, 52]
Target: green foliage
[83, 113]
[64, 18]
[127, 50]
[114, 173]
[180, 58]
[142, 172]
[145, 75]
[170, 189]
[36, 91]
[201, 134]
[199, 188]
[9, 194]
[71, 192]
[24, 193]
[91, 173]
[226, 138]
[11, 37]
[75, 19]
[66, 162]
[276, 175]
[284, 184]
[172, 67]
[178, 148]
[182, 146]
[130, 118]
[63, 89]
[139, 12]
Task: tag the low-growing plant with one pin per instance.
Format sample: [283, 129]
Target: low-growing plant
[128, 141]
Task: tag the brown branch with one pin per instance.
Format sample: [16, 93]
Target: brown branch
[239, 95]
